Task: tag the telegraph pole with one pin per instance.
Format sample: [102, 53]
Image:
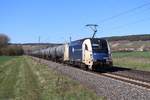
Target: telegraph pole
[70, 39]
[39, 39]
[93, 27]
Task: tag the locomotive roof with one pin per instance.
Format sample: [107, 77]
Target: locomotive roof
[81, 40]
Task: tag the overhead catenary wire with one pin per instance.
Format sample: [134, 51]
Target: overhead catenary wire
[125, 12]
[129, 24]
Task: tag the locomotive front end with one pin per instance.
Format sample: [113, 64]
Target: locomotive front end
[101, 53]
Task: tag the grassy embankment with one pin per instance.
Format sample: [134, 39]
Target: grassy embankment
[23, 79]
[134, 60]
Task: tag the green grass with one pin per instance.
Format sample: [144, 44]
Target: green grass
[134, 60]
[3, 59]
[23, 79]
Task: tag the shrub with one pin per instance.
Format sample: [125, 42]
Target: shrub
[11, 50]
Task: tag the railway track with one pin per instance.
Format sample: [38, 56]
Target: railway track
[125, 77]
[132, 81]
[106, 83]
[130, 76]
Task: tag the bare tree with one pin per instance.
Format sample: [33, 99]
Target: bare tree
[4, 40]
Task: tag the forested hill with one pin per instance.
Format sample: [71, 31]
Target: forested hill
[144, 37]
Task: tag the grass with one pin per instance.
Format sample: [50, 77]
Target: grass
[3, 59]
[23, 79]
[134, 60]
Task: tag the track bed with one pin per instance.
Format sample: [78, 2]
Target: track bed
[109, 87]
[126, 72]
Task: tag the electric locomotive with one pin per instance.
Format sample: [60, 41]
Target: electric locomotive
[90, 53]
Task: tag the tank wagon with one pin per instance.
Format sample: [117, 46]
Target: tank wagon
[88, 53]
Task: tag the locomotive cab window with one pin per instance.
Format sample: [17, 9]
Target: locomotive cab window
[86, 47]
[99, 46]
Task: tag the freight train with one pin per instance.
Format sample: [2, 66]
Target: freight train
[88, 53]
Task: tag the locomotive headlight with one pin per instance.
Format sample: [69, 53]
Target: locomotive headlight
[106, 58]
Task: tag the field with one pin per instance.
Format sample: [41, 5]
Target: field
[4, 59]
[134, 60]
[130, 46]
[21, 78]
[24, 79]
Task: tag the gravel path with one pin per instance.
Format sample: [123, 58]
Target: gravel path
[103, 86]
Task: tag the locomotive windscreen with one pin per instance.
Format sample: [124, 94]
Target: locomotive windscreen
[99, 45]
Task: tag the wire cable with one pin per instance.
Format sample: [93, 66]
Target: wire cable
[125, 12]
[129, 24]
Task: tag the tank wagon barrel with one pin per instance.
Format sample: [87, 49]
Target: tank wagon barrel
[54, 53]
[57, 53]
[60, 51]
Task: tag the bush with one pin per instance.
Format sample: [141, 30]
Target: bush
[11, 50]
[4, 40]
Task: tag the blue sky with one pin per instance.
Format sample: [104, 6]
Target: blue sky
[56, 20]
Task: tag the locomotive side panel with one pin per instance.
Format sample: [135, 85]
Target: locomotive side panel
[75, 51]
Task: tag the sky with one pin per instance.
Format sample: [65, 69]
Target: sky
[54, 21]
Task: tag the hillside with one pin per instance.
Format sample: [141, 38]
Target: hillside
[130, 43]
[144, 37]
[126, 45]
[117, 43]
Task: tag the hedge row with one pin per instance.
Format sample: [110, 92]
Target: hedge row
[11, 50]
